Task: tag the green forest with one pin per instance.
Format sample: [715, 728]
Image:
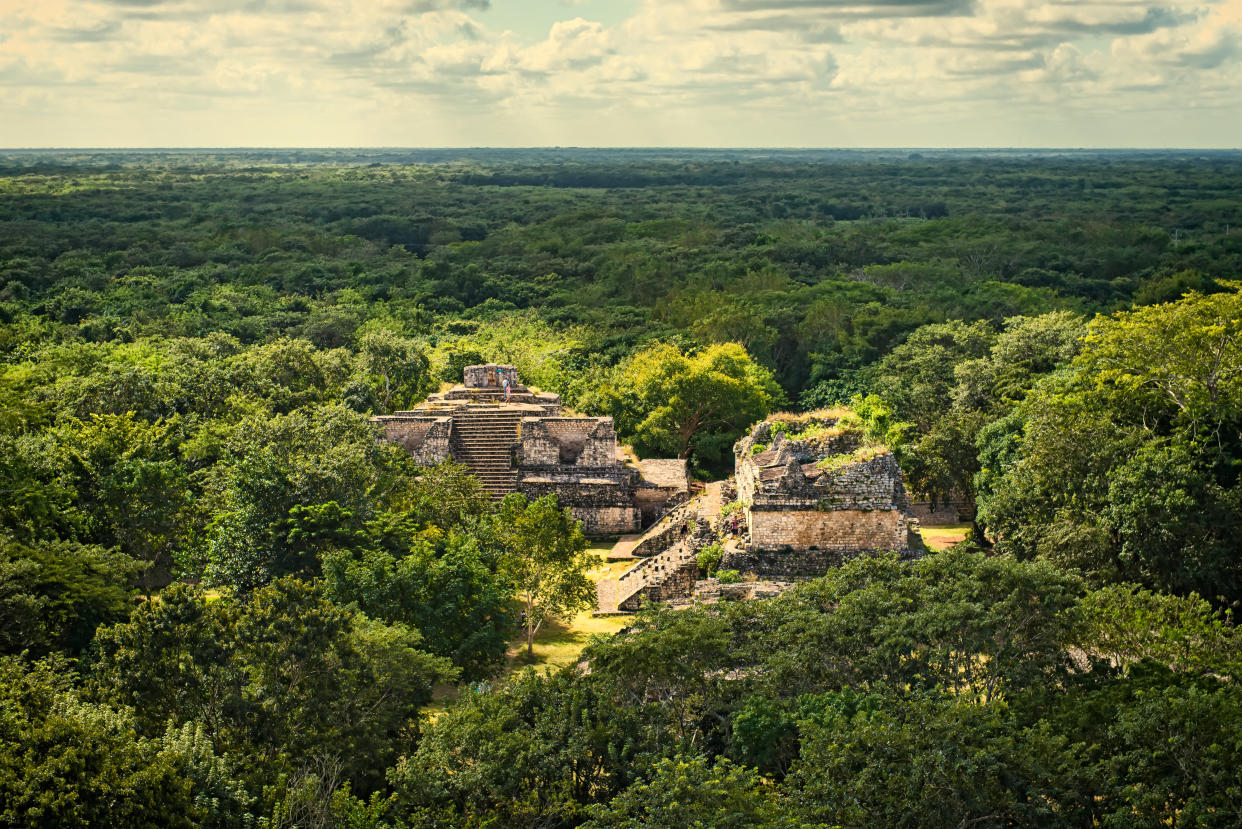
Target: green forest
[224, 602]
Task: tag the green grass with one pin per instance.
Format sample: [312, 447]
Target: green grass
[943, 537]
[559, 643]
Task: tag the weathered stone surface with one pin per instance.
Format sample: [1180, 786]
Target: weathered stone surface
[674, 584]
[837, 529]
[425, 438]
[567, 441]
[827, 493]
[662, 485]
[490, 375]
[708, 591]
[952, 511]
[523, 444]
[675, 525]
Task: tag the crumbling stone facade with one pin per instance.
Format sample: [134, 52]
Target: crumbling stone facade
[813, 490]
[523, 442]
[813, 493]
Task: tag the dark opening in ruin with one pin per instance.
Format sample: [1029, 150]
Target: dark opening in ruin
[571, 450]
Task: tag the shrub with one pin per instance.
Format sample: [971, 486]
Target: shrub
[709, 559]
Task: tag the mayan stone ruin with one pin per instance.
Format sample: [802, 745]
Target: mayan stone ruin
[808, 492]
[813, 491]
[516, 440]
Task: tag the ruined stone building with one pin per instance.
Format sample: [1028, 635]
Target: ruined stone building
[521, 442]
[808, 492]
[813, 492]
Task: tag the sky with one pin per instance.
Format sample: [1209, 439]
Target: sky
[603, 73]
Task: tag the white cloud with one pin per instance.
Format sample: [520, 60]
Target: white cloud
[805, 70]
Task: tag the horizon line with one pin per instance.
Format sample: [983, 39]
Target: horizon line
[545, 147]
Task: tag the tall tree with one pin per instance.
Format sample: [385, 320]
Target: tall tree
[546, 559]
[688, 405]
[1127, 465]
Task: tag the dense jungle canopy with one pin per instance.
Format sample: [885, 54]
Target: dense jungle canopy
[223, 602]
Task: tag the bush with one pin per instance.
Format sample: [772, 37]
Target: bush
[729, 576]
[709, 559]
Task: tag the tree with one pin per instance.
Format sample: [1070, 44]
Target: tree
[66, 761]
[688, 405]
[692, 792]
[923, 760]
[1127, 463]
[439, 585]
[284, 679]
[396, 367]
[545, 559]
[131, 487]
[533, 752]
[954, 380]
[280, 473]
[53, 595]
[917, 377]
[447, 496]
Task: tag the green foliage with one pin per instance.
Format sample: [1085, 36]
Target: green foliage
[447, 496]
[130, 486]
[709, 558]
[922, 760]
[396, 368]
[475, 763]
[728, 576]
[53, 595]
[66, 761]
[879, 422]
[1127, 464]
[284, 679]
[689, 792]
[671, 403]
[954, 382]
[544, 558]
[281, 467]
[443, 588]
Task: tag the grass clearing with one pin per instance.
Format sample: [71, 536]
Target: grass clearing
[943, 537]
[558, 644]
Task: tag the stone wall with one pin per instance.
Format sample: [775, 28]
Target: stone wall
[483, 377]
[675, 585]
[653, 502]
[826, 491]
[674, 526]
[843, 529]
[606, 521]
[946, 512]
[604, 504]
[425, 438]
[707, 591]
[583, 442]
[771, 564]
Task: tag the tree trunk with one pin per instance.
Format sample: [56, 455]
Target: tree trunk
[530, 631]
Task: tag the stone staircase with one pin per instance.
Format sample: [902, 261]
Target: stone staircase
[668, 566]
[654, 572]
[483, 439]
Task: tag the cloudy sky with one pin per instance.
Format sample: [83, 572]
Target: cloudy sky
[427, 73]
